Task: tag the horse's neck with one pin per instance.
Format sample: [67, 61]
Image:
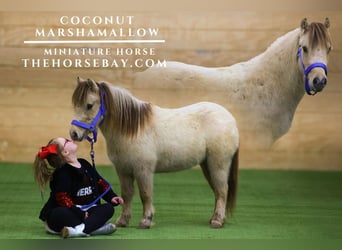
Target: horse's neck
[280, 66]
[275, 85]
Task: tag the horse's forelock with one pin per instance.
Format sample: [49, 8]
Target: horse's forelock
[80, 94]
[318, 35]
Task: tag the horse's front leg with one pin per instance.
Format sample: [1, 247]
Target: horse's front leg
[127, 192]
[145, 184]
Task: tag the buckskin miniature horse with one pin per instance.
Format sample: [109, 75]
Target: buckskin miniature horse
[263, 92]
[143, 139]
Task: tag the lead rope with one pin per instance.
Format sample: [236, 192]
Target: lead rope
[92, 156]
[92, 153]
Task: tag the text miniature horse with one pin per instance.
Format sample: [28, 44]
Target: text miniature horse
[143, 139]
[263, 92]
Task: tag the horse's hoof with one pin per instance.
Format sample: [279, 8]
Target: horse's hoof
[216, 224]
[144, 226]
[120, 223]
[146, 223]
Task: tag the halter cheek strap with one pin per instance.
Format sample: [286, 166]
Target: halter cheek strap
[92, 126]
[307, 70]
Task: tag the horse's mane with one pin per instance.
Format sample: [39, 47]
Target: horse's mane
[124, 112]
[318, 34]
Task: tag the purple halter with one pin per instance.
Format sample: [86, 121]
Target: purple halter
[307, 70]
[92, 126]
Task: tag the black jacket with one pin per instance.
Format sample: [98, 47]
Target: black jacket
[72, 186]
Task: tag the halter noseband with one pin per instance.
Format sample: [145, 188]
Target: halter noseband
[92, 126]
[307, 70]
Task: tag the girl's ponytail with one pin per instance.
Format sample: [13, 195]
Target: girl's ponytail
[42, 172]
[46, 161]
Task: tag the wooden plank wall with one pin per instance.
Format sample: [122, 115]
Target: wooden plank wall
[35, 103]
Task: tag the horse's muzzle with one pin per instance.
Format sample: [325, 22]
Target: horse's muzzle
[75, 136]
[319, 84]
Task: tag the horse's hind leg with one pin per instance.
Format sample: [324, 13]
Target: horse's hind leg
[127, 192]
[206, 173]
[145, 184]
[217, 178]
[220, 188]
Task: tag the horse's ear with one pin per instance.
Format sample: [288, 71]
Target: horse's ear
[304, 25]
[327, 23]
[80, 80]
[91, 84]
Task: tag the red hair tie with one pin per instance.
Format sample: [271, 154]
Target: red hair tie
[45, 151]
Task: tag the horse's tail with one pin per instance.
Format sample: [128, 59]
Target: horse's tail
[232, 183]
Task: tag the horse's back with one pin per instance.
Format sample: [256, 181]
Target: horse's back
[200, 122]
[176, 75]
[179, 75]
[206, 114]
[184, 135]
[211, 115]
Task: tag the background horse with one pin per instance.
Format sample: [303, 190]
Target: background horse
[263, 92]
[143, 139]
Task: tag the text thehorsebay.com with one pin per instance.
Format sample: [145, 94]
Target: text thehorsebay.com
[95, 42]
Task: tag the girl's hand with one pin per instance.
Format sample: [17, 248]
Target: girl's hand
[118, 200]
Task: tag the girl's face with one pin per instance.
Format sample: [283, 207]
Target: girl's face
[67, 144]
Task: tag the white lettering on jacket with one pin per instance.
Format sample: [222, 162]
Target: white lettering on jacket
[84, 191]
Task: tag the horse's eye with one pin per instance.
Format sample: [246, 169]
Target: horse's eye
[305, 49]
[89, 106]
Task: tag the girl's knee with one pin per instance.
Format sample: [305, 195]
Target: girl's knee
[107, 209]
[111, 209]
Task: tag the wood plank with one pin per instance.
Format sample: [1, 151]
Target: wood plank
[317, 123]
[176, 39]
[47, 78]
[227, 40]
[21, 144]
[327, 101]
[47, 115]
[291, 160]
[173, 28]
[279, 20]
[206, 57]
[316, 143]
